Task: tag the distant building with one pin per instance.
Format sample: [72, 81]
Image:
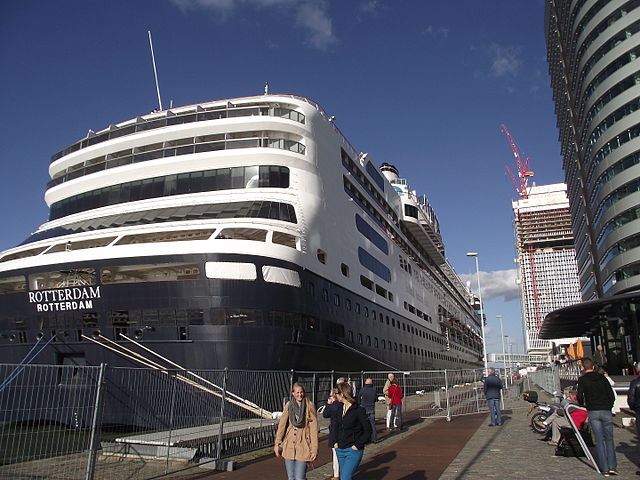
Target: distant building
[548, 275]
[592, 50]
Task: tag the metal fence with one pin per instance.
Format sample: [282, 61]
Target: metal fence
[81, 422]
[555, 378]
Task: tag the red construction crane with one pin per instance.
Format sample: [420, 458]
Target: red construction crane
[521, 181]
[521, 184]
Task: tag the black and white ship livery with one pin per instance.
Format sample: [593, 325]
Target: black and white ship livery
[244, 233]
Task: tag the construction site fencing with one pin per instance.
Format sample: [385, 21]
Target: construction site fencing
[85, 422]
[555, 378]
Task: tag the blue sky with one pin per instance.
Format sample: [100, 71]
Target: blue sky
[420, 84]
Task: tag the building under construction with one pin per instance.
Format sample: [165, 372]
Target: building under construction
[548, 274]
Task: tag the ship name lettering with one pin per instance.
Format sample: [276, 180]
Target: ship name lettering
[63, 306]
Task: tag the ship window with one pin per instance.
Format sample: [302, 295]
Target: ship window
[336, 299]
[350, 337]
[366, 312]
[390, 296]
[384, 344]
[253, 234]
[381, 291]
[395, 346]
[161, 272]
[191, 182]
[311, 289]
[284, 239]
[62, 279]
[375, 342]
[393, 322]
[344, 269]
[325, 294]
[374, 265]
[412, 309]
[23, 254]
[374, 237]
[347, 303]
[280, 275]
[230, 271]
[373, 315]
[357, 308]
[166, 236]
[360, 338]
[375, 175]
[365, 282]
[13, 284]
[322, 256]
[410, 211]
[238, 316]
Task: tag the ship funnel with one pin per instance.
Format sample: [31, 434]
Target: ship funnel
[389, 171]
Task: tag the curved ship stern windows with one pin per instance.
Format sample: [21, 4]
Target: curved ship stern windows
[14, 284]
[81, 245]
[230, 271]
[167, 236]
[24, 254]
[280, 275]
[281, 238]
[161, 272]
[62, 279]
[253, 234]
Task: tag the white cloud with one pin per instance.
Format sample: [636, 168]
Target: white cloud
[506, 60]
[436, 31]
[310, 15]
[369, 6]
[499, 283]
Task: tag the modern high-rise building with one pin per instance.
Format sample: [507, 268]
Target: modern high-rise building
[593, 50]
[547, 272]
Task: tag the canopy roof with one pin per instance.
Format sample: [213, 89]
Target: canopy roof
[581, 319]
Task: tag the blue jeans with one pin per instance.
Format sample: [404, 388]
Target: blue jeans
[296, 470]
[601, 423]
[396, 416]
[371, 415]
[349, 460]
[494, 411]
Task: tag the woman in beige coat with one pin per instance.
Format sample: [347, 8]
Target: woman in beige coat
[297, 435]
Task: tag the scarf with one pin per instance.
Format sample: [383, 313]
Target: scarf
[297, 413]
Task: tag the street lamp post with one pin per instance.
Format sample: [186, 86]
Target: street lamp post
[484, 340]
[504, 358]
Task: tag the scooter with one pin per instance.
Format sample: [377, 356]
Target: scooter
[542, 411]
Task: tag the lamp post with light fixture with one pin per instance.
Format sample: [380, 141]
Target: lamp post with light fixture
[484, 342]
[504, 358]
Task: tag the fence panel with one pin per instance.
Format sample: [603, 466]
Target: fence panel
[46, 415]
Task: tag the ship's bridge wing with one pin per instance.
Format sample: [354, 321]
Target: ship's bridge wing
[420, 219]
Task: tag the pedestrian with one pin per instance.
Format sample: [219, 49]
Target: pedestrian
[297, 435]
[633, 399]
[354, 430]
[391, 378]
[595, 393]
[492, 390]
[332, 411]
[599, 358]
[395, 393]
[367, 399]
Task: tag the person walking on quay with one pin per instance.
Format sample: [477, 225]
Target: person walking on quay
[492, 389]
[599, 358]
[595, 393]
[332, 411]
[633, 399]
[297, 435]
[367, 399]
[391, 378]
[395, 393]
[354, 430]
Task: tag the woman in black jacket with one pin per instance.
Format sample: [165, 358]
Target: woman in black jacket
[353, 431]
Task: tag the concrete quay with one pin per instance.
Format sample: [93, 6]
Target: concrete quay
[464, 448]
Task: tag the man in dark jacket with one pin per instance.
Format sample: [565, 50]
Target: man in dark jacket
[595, 393]
[367, 399]
[492, 388]
[633, 399]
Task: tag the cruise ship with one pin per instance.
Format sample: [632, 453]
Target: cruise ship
[244, 233]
